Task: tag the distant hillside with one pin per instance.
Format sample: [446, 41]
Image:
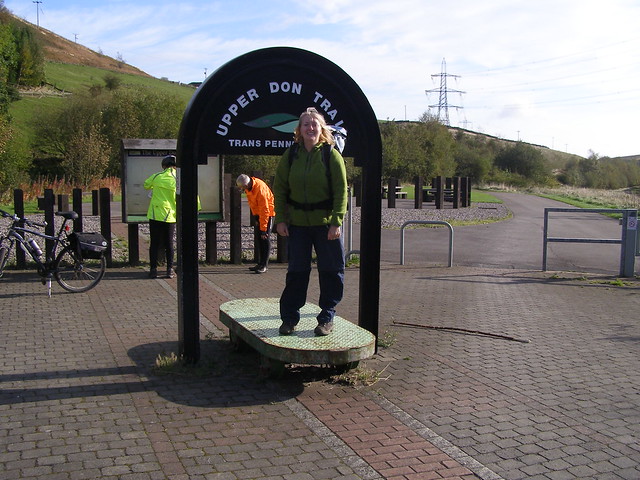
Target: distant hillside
[59, 49]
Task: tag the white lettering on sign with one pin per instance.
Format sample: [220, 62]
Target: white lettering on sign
[293, 88]
[326, 106]
[257, 142]
[285, 87]
[244, 143]
[278, 143]
[241, 102]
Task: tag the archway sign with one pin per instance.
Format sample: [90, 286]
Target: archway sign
[250, 106]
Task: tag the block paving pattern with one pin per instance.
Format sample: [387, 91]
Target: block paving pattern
[79, 397]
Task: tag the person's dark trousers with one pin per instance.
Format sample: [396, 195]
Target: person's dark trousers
[265, 246]
[330, 255]
[162, 234]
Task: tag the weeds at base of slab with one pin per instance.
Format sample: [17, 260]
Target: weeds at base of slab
[353, 261]
[387, 339]
[172, 364]
[616, 282]
[358, 377]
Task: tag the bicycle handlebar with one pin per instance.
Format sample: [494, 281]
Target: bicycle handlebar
[16, 218]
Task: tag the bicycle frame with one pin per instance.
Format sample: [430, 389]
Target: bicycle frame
[63, 260]
[18, 234]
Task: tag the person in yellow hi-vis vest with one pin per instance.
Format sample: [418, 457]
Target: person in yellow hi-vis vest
[162, 214]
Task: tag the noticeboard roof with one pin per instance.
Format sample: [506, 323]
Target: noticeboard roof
[149, 143]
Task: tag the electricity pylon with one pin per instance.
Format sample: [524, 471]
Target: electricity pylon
[443, 105]
[37, 2]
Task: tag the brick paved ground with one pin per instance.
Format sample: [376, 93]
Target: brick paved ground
[79, 399]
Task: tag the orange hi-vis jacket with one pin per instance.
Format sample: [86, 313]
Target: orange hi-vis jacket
[260, 199]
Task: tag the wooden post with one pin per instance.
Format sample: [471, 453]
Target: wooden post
[439, 184]
[226, 202]
[235, 221]
[456, 192]
[211, 242]
[417, 203]
[95, 203]
[18, 208]
[134, 243]
[49, 201]
[283, 253]
[105, 222]
[357, 190]
[77, 207]
[391, 192]
[63, 203]
[464, 185]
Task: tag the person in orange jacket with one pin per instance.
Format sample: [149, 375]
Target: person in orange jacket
[260, 199]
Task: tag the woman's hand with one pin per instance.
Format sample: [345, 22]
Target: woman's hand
[282, 229]
[334, 232]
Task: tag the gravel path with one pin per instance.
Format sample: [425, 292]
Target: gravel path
[478, 212]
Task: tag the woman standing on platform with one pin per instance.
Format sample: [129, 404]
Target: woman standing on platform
[310, 191]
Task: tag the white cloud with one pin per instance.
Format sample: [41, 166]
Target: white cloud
[554, 72]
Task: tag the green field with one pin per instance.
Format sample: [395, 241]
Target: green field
[68, 78]
[77, 78]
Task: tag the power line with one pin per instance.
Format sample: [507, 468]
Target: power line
[443, 104]
[563, 58]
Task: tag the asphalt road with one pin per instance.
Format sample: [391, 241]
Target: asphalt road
[516, 242]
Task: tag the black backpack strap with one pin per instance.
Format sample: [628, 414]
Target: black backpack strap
[293, 150]
[326, 157]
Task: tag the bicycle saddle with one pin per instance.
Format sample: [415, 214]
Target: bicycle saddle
[67, 215]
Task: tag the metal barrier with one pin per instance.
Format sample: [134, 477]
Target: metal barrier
[627, 241]
[426, 222]
[347, 227]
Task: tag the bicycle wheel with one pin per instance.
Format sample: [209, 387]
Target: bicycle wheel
[76, 274]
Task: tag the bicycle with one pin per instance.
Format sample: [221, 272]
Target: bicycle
[76, 260]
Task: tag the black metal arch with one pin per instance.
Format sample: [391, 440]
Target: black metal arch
[247, 107]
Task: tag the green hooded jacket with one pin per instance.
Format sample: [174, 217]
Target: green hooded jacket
[305, 182]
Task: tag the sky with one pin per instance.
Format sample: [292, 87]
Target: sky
[564, 74]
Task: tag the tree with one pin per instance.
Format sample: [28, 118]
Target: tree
[473, 163]
[440, 148]
[112, 82]
[8, 59]
[417, 149]
[87, 156]
[139, 112]
[14, 158]
[391, 164]
[55, 128]
[524, 160]
[123, 113]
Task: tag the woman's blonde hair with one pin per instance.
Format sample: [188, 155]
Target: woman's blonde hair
[325, 134]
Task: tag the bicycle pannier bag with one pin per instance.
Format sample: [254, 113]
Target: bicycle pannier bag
[89, 245]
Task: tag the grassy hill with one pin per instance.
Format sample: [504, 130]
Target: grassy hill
[59, 49]
[72, 68]
[65, 79]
